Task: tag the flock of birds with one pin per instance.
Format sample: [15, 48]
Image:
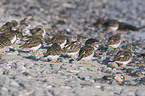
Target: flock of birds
[11, 32]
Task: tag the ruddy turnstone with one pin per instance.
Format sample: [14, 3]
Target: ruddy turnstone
[87, 52]
[59, 38]
[73, 48]
[114, 41]
[38, 30]
[53, 52]
[121, 26]
[25, 25]
[4, 41]
[123, 56]
[91, 41]
[9, 26]
[10, 35]
[33, 44]
[113, 25]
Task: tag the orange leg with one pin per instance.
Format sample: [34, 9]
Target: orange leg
[126, 74]
[89, 62]
[116, 49]
[15, 44]
[32, 51]
[35, 52]
[72, 57]
[109, 30]
[1, 53]
[84, 62]
[53, 61]
[120, 66]
[124, 66]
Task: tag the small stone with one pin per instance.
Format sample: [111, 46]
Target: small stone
[127, 92]
[3, 79]
[118, 79]
[142, 81]
[74, 71]
[107, 77]
[78, 92]
[105, 88]
[112, 65]
[14, 84]
[109, 70]
[29, 91]
[68, 5]
[140, 92]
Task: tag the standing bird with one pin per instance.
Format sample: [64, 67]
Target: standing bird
[114, 41]
[33, 44]
[124, 56]
[91, 41]
[60, 39]
[112, 25]
[73, 48]
[10, 35]
[53, 52]
[4, 42]
[87, 52]
[38, 30]
[9, 26]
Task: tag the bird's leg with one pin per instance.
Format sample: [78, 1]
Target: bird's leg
[55, 60]
[89, 62]
[124, 66]
[72, 57]
[120, 65]
[15, 44]
[84, 62]
[32, 52]
[116, 49]
[109, 30]
[1, 53]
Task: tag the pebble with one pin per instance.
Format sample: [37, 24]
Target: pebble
[112, 65]
[4, 80]
[14, 83]
[140, 92]
[127, 92]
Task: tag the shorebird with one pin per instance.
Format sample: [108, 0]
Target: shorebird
[124, 56]
[53, 52]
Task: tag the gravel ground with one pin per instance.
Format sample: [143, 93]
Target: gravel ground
[23, 74]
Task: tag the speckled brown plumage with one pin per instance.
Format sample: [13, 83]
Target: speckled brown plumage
[85, 52]
[55, 49]
[4, 41]
[115, 39]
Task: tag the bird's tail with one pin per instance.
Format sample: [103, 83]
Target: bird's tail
[141, 27]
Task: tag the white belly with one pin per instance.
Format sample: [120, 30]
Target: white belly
[89, 57]
[73, 54]
[53, 56]
[125, 62]
[62, 45]
[14, 39]
[36, 48]
[115, 45]
[113, 28]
